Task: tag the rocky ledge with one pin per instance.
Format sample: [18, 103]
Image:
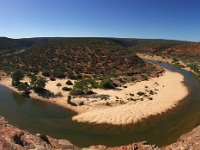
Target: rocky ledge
[135, 146]
[12, 138]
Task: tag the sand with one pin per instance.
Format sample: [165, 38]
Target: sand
[124, 105]
[51, 86]
[166, 98]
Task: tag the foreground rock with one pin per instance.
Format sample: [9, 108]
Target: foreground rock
[12, 138]
[134, 146]
[189, 141]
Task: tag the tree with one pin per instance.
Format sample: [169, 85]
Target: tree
[38, 83]
[17, 76]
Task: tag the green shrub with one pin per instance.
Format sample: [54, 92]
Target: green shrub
[69, 82]
[52, 79]
[38, 83]
[46, 73]
[107, 83]
[194, 67]
[84, 86]
[71, 74]
[59, 74]
[17, 76]
[58, 84]
[66, 89]
[140, 93]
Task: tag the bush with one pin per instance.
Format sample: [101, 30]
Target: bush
[66, 89]
[58, 84]
[71, 74]
[194, 67]
[59, 74]
[46, 73]
[107, 83]
[140, 93]
[17, 76]
[69, 82]
[52, 79]
[59, 94]
[84, 86]
[76, 91]
[38, 83]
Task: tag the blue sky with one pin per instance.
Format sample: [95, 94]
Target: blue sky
[166, 19]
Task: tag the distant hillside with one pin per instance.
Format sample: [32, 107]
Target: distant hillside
[86, 56]
[77, 58]
[155, 45]
[163, 46]
[188, 48]
[8, 45]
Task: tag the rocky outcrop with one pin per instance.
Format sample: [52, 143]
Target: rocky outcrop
[12, 138]
[189, 141]
[135, 146]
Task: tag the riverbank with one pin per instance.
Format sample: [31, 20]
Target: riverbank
[158, 97]
[169, 60]
[125, 105]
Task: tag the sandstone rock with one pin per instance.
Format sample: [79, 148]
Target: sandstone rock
[65, 144]
[38, 147]
[12, 138]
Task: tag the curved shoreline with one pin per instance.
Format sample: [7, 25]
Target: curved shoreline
[129, 113]
[134, 112]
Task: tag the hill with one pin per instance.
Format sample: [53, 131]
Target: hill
[8, 45]
[78, 58]
[87, 57]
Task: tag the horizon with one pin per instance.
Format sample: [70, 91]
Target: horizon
[99, 37]
[140, 19]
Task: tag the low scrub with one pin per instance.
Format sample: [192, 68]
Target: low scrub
[107, 83]
[84, 86]
[66, 89]
[69, 82]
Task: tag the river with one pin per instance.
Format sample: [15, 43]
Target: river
[40, 117]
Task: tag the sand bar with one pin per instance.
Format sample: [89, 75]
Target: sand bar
[169, 92]
[160, 95]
